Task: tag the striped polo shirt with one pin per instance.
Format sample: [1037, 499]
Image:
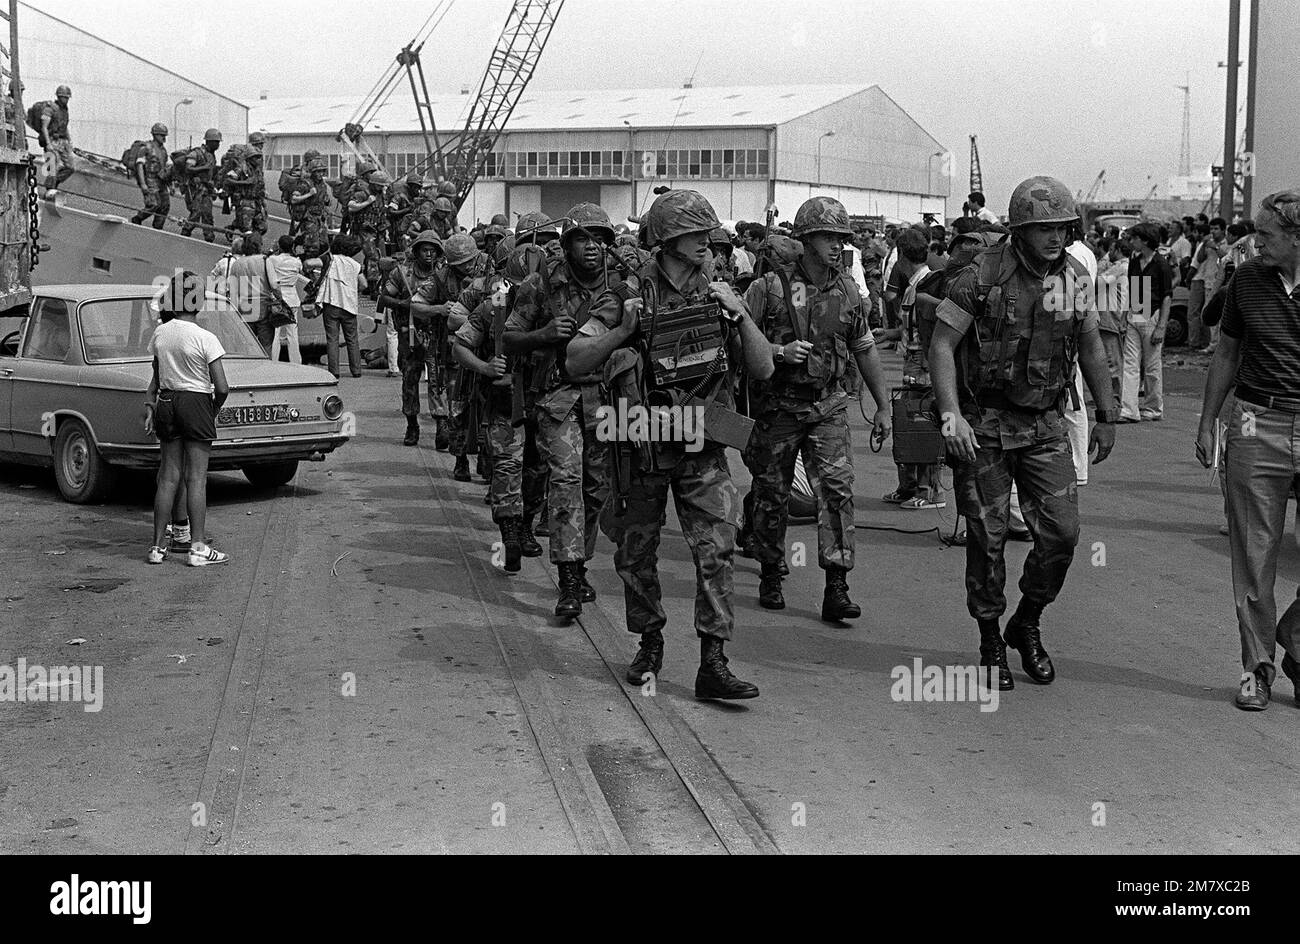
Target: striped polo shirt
[1260, 313]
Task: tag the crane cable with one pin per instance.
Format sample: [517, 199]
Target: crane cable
[382, 90]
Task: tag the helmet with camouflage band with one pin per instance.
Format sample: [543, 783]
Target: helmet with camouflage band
[590, 217]
[536, 227]
[822, 215]
[1041, 200]
[678, 213]
[460, 249]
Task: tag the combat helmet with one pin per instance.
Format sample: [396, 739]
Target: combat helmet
[677, 213]
[159, 128]
[1041, 200]
[718, 237]
[364, 168]
[212, 135]
[447, 189]
[257, 139]
[590, 217]
[822, 215]
[536, 227]
[63, 92]
[427, 238]
[460, 249]
[443, 205]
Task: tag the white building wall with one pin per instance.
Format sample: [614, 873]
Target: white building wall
[1277, 112]
[524, 198]
[116, 95]
[902, 206]
[485, 200]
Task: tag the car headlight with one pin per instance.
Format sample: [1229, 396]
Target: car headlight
[332, 407]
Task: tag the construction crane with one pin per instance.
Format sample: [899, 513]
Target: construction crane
[1091, 195]
[350, 136]
[462, 156]
[976, 175]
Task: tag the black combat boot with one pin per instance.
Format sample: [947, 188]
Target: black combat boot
[588, 591]
[461, 472]
[836, 605]
[481, 467]
[510, 539]
[1024, 636]
[440, 436]
[649, 658]
[769, 589]
[543, 523]
[412, 431]
[714, 680]
[570, 603]
[993, 651]
[526, 540]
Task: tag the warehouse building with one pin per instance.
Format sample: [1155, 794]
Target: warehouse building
[1277, 159]
[743, 147]
[116, 95]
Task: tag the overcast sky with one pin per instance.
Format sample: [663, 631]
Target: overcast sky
[1064, 88]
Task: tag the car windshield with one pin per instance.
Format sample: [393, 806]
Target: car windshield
[119, 329]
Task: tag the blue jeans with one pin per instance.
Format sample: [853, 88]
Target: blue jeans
[1262, 461]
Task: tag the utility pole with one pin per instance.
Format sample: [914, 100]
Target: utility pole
[1248, 174]
[1185, 154]
[976, 175]
[1227, 183]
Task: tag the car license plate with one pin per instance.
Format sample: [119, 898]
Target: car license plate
[253, 415]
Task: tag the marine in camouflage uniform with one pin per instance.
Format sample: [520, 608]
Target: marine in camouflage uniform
[677, 227]
[153, 171]
[460, 280]
[367, 209]
[513, 497]
[200, 184]
[312, 196]
[1002, 359]
[550, 305]
[816, 321]
[246, 184]
[442, 217]
[411, 291]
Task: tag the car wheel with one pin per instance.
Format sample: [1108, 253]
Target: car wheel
[1176, 330]
[270, 474]
[81, 472]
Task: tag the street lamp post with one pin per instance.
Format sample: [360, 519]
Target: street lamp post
[176, 129]
[929, 168]
[828, 134]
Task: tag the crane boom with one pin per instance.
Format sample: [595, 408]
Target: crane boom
[514, 59]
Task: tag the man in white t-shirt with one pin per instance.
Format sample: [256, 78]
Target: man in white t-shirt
[185, 394]
[339, 298]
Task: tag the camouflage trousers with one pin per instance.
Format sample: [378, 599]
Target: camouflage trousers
[578, 487]
[1043, 474]
[198, 202]
[250, 216]
[412, 360]
[779, 436]
[517, 484]
[157, 203]
[705, 499]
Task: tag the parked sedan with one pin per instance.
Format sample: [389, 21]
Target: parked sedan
[73, 374]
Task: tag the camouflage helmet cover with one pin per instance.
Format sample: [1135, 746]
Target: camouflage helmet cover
[159, 128]
[536, 227]
[591, 217]
[427, 238]
[257, 139]
[212, 134]
[822, 215]
[719, 237]
[1041, 200]
[443, 205]
[62, 91]
[677, 213]
[460, 248]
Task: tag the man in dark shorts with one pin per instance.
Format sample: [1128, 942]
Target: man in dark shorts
[186, 391]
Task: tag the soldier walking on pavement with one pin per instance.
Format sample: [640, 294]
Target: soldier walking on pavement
[549, 308]
[816, 320]
[312, 195]
[479, 346]
[152, 172]
[200, 186]
[409, 292]
[1002, 359]
[677, 228]
[466, 269]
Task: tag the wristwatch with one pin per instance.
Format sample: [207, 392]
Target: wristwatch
[1107, 416]
[778, 355]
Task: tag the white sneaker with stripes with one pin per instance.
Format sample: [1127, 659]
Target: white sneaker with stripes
[201, 556]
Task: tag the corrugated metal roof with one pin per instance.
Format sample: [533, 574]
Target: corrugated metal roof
[741, 106]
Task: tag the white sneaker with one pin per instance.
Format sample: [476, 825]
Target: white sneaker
[157, 554]
[201, 556]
